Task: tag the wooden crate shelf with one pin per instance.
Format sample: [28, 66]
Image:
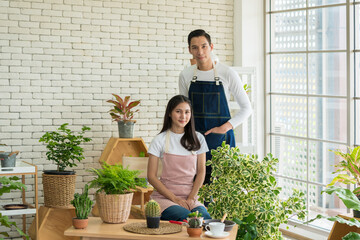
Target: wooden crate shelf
[116, 148]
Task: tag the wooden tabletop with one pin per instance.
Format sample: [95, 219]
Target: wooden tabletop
[97, 230]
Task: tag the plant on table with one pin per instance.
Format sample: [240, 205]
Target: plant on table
[241, 185]
[115, 186]
[349, 173]
[195, 221]
[82, 204]
[6, 185]
[123, 113]
[152, 213]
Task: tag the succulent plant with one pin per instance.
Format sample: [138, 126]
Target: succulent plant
[152, 209]
[82, 204]
[195, 219]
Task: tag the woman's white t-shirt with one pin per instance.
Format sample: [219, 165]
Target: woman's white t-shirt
[157, 145]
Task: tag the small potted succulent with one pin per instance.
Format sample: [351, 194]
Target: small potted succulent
[82, 204]
[123, 114]
[194, 228]
[152, 212]
[8, 159]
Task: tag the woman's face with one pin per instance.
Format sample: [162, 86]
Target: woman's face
[181, 115]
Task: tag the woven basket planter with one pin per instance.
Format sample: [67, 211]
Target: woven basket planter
[114, 208]
[58, 190]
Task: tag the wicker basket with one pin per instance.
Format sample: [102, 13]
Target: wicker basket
[58, 190]
[114, 208]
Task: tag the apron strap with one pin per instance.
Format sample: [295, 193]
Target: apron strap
[216, 76]
[167, 141]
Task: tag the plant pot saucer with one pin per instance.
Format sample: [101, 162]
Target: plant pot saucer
[15, 206]
[56, 172]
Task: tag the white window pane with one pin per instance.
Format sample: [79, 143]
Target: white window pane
[357, 120]
[328, 119]
[289, 115]
[357, 26]
[288, 31]
[313, 3]
[327, 73]
[327, 28]
[291, 153]
[285, 4]
[357, 74]
[288, 73]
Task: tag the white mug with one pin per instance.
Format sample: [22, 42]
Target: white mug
[216, 228]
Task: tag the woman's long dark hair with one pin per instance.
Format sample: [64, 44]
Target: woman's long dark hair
[190, 140]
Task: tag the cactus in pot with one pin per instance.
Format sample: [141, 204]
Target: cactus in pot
[152, 212]
[82, 204]
[195, 221]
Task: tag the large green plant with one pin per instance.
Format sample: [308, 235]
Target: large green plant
[243, 185]
[114, 179]
[6, 185]
[82, 204]
[63, 146]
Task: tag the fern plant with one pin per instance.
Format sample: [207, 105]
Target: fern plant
[115, 179]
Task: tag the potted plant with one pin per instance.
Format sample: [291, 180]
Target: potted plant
[247, 228]
[123, 114]
[194, 228]
[152, 213]
[243, 185]
[82, 204]
[349, 169]
[114, 194]
[8, 159]
[64, 149]
[6, 185]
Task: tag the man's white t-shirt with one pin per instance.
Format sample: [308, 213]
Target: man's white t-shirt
[232, 85]
[157, 145]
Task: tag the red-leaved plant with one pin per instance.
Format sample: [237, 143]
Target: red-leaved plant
[122, 110]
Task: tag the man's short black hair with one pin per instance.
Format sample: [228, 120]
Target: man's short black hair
[199, 33]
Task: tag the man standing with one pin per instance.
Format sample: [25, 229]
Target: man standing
[209, 84]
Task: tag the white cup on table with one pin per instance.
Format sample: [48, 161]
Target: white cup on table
[216, 228]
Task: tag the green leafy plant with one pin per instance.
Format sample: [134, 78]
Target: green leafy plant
[6, 185]
[122, 110]
[351, 165]
[247, 228]
[63, 146]
[152, 209]
[243, 185]
[114, 179]
[82, 204]
[195, 219]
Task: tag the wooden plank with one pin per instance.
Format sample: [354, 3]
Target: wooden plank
[339, 230]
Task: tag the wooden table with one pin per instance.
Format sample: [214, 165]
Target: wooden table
[97, 230]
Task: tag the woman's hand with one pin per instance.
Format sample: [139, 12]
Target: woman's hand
[191, 202]
[182, 202]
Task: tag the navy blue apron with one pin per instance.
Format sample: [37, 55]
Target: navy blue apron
[210, 110]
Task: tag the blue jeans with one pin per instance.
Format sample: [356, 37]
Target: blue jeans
[178, 213]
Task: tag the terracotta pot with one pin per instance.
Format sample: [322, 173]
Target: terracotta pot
[194, 232]
[80, 223]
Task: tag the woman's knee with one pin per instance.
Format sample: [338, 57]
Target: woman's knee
[175, 212]
[203, 211]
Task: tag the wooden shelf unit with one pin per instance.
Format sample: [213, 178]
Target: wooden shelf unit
[23, 169]
[339, 230]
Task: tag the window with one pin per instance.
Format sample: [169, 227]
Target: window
[312, 95]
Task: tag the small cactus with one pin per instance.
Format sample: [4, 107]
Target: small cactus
[195, 220]
[152, 209]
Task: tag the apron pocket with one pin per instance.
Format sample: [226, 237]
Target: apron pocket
[206, 103]
[215, 140]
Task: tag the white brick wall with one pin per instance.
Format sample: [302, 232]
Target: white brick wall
[61, 60]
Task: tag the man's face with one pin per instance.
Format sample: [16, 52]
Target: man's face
[200, 49]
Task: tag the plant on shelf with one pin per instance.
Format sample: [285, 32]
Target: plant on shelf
[195, 221]
[63, 148]
[123, 113]
[82, 204]
[8, 159]
[152, 213]
[241, 185]
[350, 164]
[115, 186]
[6, 185]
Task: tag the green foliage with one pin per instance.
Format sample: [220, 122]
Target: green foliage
[247, 88]
[82, 204]
[63, 146]
[114, 179]
[351, 165]
[247, 228]
[195, 219]
[122, 110]
[195, 214]
[243, 185]
[6, 185]
[352, 236]
[152, 209]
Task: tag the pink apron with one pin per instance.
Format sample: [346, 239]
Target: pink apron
[178, 174]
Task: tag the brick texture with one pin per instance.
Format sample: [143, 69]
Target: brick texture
[61, 60]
